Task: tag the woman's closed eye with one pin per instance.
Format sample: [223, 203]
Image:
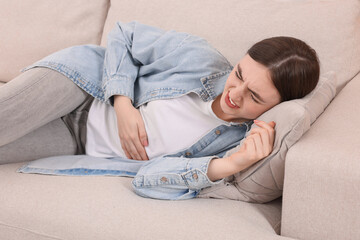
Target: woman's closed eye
[252, 97]
[239, 76]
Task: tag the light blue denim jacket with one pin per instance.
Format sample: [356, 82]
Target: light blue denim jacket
[146, 63]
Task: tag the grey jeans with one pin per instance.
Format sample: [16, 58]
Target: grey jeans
[42, 114]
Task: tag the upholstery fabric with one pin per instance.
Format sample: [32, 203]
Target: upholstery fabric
[320, 199]
[32, 29]
[322, 174]
[234, 26]
[58, 207]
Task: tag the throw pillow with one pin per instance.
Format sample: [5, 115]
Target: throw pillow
[263, 181]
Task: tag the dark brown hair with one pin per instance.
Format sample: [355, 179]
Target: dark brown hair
[293, 65]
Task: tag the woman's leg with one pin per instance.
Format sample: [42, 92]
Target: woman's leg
[33, 100]
[52, 139]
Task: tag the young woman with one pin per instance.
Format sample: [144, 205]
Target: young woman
[151, 94]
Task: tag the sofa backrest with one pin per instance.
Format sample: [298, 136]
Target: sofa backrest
[331, 27]
[32, 29]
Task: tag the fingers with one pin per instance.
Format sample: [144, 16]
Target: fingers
[132, 133]
[130, 150]
[143, 134]
[259, 145]
[269, 126]
[140, 152]
[132, 146]
[133, 149]
[261, 140]
[256, 146]
[266, 130]
[143, 142]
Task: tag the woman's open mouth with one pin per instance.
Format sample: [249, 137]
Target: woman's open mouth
[229, 101]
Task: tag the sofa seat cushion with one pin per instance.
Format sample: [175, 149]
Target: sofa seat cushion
[93, 207]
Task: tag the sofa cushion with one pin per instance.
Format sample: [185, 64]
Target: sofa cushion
[32, 29]
[36, 206]
[330, 27]
[263, 181]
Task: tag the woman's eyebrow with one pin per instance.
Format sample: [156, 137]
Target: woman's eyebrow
[255, 93]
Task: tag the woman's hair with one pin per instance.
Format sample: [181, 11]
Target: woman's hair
[293, 65]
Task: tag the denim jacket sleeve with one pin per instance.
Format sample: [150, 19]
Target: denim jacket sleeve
[173, 178]
[130, 46]
[134, 49]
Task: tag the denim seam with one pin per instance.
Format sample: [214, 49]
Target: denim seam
[182, 42]
[68, 172]
[142, 184]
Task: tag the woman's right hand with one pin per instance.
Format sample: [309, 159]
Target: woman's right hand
[131, 129]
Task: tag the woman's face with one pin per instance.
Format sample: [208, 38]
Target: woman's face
[248, 92]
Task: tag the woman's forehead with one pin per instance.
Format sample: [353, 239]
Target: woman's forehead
[259, 78]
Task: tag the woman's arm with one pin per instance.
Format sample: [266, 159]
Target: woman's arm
[136, 51]
[178, 178]
[257, 145]
[131, 129]
[131, 46]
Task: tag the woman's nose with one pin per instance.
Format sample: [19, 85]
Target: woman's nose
[239, 93]
[240, 89]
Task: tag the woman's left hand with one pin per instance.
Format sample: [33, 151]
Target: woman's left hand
[259, 144]
[256, 146]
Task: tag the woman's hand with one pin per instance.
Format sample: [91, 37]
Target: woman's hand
[256, 146]
[131, 129]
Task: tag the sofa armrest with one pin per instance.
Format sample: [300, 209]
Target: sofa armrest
[321, 197]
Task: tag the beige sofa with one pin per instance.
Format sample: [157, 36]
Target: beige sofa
[321, 194]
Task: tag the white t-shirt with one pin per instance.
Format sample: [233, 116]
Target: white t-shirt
[172, 125]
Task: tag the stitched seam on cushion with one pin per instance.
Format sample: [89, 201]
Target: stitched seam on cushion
[31, 231]
[356, 74]
[276, 227]
[211, 190]
[263, 185]
[256, 193]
